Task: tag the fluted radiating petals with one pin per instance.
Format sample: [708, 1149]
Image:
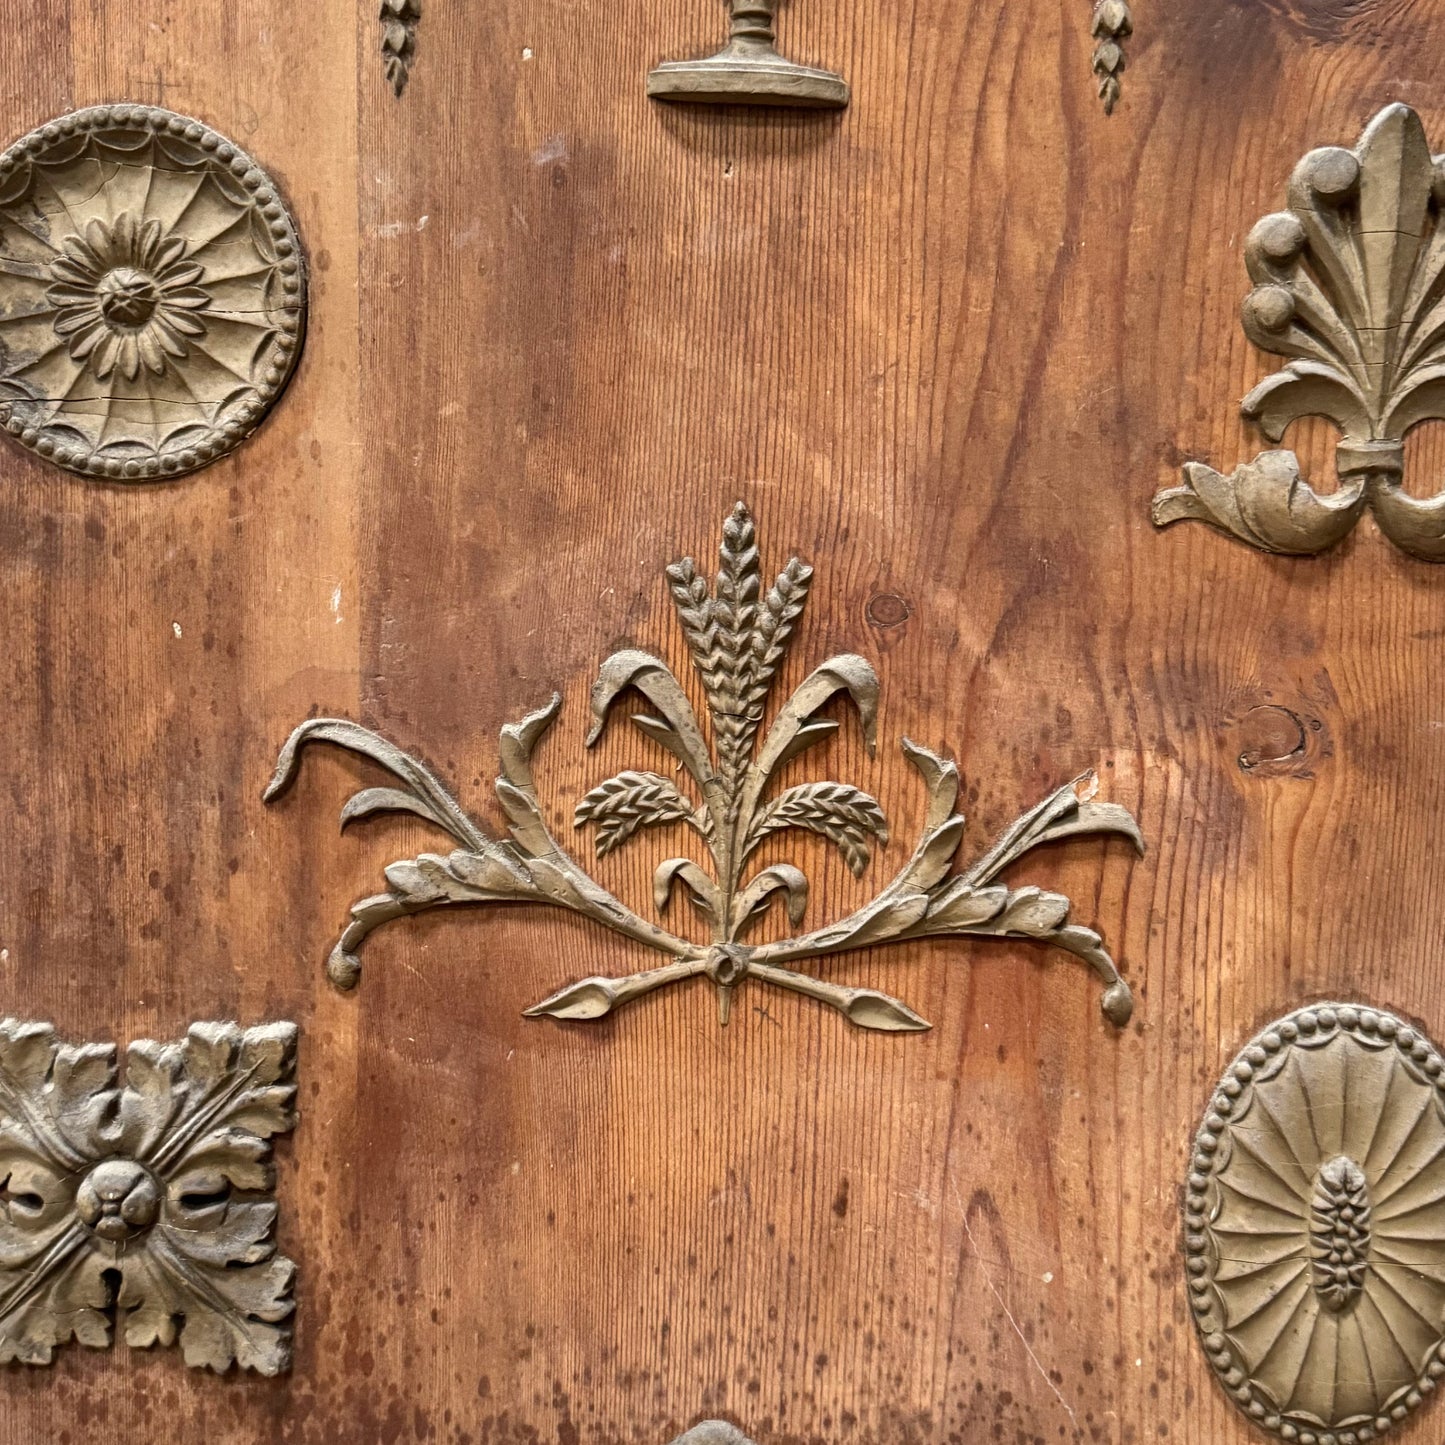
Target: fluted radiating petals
[167, 339]
[185, 323]
[74, 294]
[172, 278]
[129, 356]
[84, 342]
[73, 273]
[148, 245]
[76, 318]
[1319, 1297]
[125, 295]
[104, 242]
[150, 350]
[82, 256]
[170, 252]
[104, 355]
[189, 298]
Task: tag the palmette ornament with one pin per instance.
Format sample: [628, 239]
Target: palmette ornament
[1349, 282]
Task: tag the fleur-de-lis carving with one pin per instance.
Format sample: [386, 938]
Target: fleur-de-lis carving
[738, 635]
[1349, 282]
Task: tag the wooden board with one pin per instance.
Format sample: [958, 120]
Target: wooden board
[947, 345]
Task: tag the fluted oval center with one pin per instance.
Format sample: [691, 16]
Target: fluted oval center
[1340, 1232]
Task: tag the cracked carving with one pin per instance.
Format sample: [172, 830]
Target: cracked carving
[152, 296]
[738, 633]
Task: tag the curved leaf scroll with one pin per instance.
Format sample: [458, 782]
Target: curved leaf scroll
[737, 634]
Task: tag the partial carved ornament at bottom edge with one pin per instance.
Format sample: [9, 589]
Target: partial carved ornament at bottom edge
[713, 1432]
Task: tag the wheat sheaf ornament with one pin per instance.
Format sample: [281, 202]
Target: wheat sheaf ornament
[738, 634]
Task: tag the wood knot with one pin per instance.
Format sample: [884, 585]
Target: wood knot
[1277, 741]
[888, 609]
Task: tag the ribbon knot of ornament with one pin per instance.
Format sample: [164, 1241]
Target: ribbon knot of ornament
[738, 635]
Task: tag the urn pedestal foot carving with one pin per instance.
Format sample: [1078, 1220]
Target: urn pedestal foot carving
[748, 70]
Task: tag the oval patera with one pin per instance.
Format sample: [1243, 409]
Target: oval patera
[152, 293]
[1315, 1225]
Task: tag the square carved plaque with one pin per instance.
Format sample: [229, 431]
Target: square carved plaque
[141, 1196]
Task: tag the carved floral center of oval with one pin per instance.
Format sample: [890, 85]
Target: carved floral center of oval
[1340, 1232]
[118, 1200]
[128, 297]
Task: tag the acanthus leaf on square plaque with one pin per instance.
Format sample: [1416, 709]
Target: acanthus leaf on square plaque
[145, 1195]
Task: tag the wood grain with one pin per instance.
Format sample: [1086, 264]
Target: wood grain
[947, 346]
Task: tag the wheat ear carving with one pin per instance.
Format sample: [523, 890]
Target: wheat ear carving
[738, 635]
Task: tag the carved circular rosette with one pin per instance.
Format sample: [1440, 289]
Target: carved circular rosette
[1315, 1225]
[152, 293]
[118, 1200]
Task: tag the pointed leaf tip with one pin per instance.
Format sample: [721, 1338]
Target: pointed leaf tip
[869, 1009]
[590, 999]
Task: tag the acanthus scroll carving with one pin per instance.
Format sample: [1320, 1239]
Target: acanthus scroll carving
[738, 633]
[1350, 283]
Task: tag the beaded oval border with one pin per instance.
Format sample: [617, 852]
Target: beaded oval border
[1316, 1023]
[291, 328]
